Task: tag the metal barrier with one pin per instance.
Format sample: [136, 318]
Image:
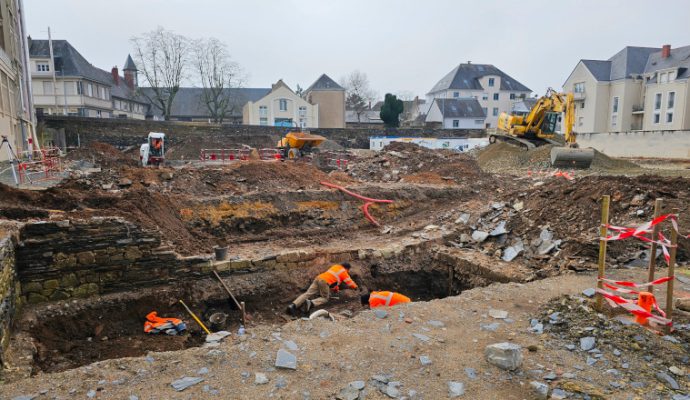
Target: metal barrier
[39, 165]
[224, 155]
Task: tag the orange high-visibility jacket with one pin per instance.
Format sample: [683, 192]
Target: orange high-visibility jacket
[153, 321]
[337, 274]
[386, 299]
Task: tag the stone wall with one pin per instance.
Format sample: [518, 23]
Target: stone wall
[58, 260]
[9, 289]
[124, 133]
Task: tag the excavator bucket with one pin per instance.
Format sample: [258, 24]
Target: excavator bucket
[568, 157]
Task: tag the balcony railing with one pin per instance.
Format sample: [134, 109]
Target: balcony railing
[579, 95]
[638, 108]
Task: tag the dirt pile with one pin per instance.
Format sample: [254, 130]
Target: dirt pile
[503, 157]
[104, 155]
[406, 162]
[573, 210]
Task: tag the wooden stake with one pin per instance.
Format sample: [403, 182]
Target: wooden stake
[244, 314]
[603, 232]
[227, 289]
[658, 204]
[671, 273]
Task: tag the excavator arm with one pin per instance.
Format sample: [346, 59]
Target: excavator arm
[539, 127]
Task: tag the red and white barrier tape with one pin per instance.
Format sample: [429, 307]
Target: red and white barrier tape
[630, 306]
[646, 228]
[637, 285]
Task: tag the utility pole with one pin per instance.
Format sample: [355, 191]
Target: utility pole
[52, 68]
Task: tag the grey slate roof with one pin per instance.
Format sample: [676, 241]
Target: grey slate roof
[188, 101]
[70, 63]
[460, 108]
[129, 64]
[466, 76]
[638, 60]
[630, 60]
[600, 69]
[324, 83]
[679, 58]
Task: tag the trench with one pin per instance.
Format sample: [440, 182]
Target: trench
[111, 326]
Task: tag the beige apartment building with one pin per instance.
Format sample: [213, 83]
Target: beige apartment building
[330, 97]
[638, 88]
[281, 107]
[67, 84]
[16, 113]
[495, 90]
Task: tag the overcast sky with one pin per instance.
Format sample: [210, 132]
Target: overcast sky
[402, 45]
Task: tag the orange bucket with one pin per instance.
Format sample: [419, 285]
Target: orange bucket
[646, 300]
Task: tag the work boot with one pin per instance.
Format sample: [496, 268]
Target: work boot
[292, 309]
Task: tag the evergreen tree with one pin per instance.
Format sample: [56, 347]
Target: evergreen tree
[391, 110]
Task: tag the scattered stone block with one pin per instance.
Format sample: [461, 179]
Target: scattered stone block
[540, 390]
[455, 389]
[505, 355]
[587, 343]
[285, 359]
[184, 383]
[260, 378]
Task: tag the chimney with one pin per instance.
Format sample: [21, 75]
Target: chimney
[666, 51]
[129, 79]
[116, 75]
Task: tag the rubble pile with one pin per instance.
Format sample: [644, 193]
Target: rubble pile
[104, 155]
[406, 162]
[633, 358]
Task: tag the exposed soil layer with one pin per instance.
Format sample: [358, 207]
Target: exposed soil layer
[82, 332]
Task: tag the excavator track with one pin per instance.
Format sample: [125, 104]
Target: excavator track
[529, 145]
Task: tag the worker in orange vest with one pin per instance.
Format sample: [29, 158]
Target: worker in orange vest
[322, 285]
[383, 299]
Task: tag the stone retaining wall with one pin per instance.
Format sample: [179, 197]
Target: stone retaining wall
[58, 260]
[9, 289]
[75, 131]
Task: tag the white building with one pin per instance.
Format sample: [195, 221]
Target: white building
[638, 88]
[492, 88]
[456, 113]
[281, 107]
[68, 84]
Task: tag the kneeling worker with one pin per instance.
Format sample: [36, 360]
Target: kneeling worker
[383, 299]
[322, 284]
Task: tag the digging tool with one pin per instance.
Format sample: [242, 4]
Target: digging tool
[239, 305]
[198, 321]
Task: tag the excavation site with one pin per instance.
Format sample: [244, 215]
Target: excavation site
[490, 246]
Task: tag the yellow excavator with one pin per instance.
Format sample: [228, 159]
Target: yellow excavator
[538, 127]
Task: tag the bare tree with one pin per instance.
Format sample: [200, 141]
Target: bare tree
[218, 74]
[163, 58]
[358, 92]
